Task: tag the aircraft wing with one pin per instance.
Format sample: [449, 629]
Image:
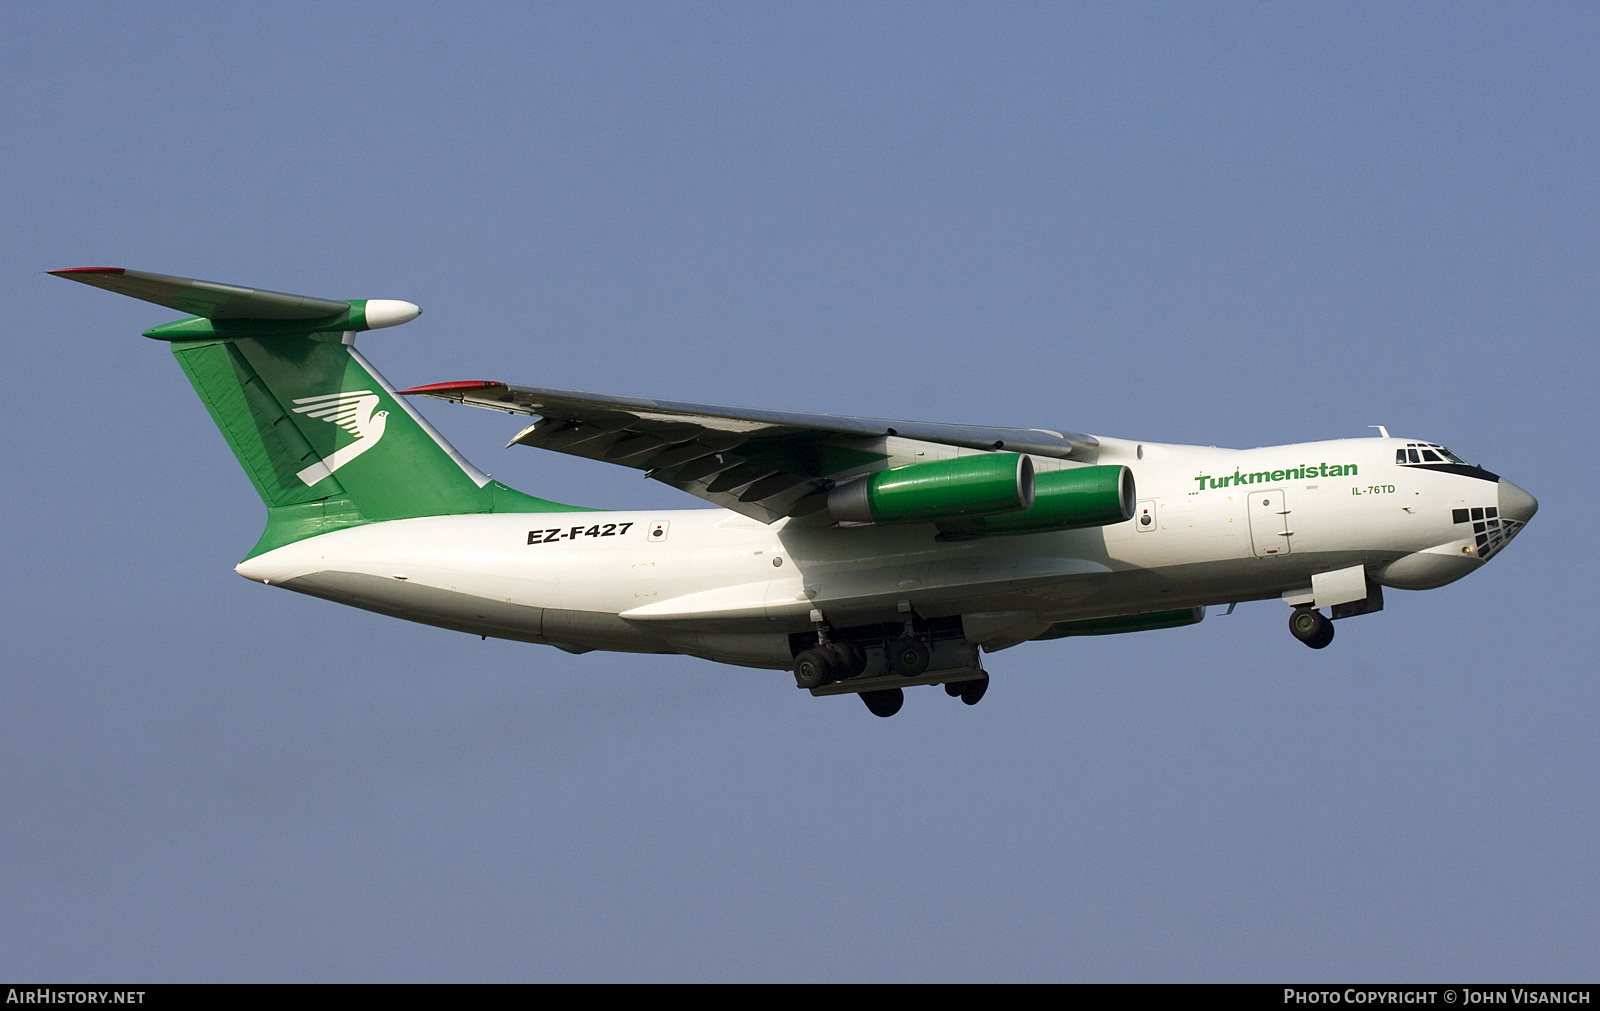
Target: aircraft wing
[764, 464]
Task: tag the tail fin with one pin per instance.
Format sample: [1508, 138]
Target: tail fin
[322, 436]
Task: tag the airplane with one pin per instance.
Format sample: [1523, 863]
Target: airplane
[863, 555]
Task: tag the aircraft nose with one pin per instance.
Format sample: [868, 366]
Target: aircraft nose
[1515, 503]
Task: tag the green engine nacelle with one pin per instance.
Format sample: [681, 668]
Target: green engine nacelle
[967, 486]
[1062, 500]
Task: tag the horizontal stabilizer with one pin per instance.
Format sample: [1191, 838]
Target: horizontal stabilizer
[204, 298]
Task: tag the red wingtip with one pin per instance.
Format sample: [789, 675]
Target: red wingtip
[456, 387]
[89, 270]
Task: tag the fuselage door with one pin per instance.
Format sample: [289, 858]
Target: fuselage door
[1270, 531]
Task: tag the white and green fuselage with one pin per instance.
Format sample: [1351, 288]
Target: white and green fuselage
[369, 506]
[716, 584]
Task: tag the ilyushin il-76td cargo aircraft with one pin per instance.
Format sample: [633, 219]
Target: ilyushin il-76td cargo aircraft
[865, 556]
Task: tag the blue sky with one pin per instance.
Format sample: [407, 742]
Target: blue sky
[1224, 224]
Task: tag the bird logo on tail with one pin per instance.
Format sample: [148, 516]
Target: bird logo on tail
[355, 412]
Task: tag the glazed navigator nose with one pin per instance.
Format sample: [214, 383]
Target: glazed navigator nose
[1493, 529]
[1516, 504]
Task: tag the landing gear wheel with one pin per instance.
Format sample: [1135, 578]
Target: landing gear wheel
[972, 691]
[849, 659]
[1311, 627]
[909, 657]
[953, 688]
[886, 702]
[814, 668]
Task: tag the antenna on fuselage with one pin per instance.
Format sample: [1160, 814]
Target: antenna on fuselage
[1382, 432]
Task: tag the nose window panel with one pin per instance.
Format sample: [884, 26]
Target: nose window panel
[1413, 455]
[1490, 531]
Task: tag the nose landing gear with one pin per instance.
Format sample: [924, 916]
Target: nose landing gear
[1311, 627]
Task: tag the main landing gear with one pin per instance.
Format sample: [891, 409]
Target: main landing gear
[899, 658]
[1311, 627]
[908, 656]
[967, 691]
[829, 662]
[885, 702]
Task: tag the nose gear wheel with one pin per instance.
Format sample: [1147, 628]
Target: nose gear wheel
[1311, 627]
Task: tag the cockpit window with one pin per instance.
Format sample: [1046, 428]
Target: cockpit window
[1426, 452]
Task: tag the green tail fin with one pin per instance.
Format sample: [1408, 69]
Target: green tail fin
[319, 432]
[327, 443]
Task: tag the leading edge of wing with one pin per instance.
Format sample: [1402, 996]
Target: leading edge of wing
[574, 405]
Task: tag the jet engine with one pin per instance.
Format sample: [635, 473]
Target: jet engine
[1067, 499]
[967, 486]
[1062, 500]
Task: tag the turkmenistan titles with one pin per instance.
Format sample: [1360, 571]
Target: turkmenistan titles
[1240, 477]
